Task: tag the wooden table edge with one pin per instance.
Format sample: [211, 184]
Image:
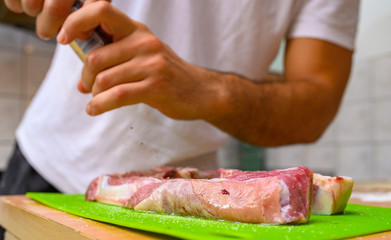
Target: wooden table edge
[43, 222]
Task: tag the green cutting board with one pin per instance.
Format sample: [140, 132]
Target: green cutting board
[358, 220]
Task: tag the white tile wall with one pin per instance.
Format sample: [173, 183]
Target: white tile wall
[35, 70]
[10, 37]
[9, 117]
[358, 142]
[359, 86]
[229, 155]
[356, 162]
[37, 46]
[329, 135]
[289, 156]
[5, 152]
[11, 72]
[24, 60]
[383, 118]
[354, 122]
[359, 139]
[382, 73]
[383, 159]
[321, 158]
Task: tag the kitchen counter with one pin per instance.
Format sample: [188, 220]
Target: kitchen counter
[24, 218]
[27, 219]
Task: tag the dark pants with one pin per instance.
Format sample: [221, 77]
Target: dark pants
[20, 178]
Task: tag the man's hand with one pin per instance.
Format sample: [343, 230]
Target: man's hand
[136, 68]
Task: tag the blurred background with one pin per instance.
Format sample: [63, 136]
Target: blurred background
[357, 143]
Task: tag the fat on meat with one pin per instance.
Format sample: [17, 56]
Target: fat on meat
[330, 195]
[274, 197]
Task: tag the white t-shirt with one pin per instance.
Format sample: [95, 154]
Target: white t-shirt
[69, 148]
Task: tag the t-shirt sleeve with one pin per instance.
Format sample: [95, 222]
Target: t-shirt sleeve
[334, 21]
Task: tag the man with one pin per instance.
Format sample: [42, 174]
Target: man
[186, 74]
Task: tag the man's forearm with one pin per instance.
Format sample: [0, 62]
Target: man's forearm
[296, 108]
[272, 113]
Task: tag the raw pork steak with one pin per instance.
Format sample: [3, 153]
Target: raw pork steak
[331, 194]
[276, 197]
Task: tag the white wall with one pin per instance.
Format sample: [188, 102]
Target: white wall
[374, 31]
[24, 60]
[358, 142]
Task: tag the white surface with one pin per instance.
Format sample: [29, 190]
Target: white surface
[373, 196]
[374, 36]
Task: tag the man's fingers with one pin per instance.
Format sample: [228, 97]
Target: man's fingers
[80, 87]
[100, 13]
[52, 17]
[32, 7]
[14, 5]
[118, 96]
[127, 72]
[104, 58]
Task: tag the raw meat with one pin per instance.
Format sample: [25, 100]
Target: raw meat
[276, 197]
[331, 194]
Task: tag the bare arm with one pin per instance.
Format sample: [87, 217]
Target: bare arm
[138, 67]
[296, 109]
